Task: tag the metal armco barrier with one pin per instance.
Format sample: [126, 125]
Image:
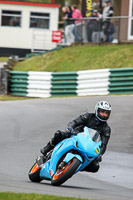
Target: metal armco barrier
[81, 83]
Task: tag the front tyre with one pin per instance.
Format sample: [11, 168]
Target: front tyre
[34, 174]
[62, 175]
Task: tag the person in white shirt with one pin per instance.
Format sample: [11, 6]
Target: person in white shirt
[108, 11]
[69, 25]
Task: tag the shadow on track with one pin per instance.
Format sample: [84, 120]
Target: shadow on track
[64, 186]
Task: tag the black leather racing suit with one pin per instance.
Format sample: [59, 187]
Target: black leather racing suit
[91, 121]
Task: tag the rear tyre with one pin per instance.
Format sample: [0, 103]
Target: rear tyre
[34, 174]
[62, 175]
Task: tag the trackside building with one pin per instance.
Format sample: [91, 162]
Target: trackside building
[27, 27]
[126, 25]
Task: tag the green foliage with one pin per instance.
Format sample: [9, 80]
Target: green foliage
[22, 196]
[77, 58]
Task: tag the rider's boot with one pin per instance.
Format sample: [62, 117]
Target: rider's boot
[47, 148]
[52, 143]
[41, 159]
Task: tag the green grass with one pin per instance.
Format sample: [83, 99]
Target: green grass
[22, 196]
[3, 59]
[12, 98]
[80, 57]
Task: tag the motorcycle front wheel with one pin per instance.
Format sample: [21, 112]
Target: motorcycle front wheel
[34, 174]
[62, 175]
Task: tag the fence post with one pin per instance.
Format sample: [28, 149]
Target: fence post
[119, 31]
[3, 79]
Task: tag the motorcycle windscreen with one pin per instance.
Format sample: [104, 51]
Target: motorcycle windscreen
[89, 142]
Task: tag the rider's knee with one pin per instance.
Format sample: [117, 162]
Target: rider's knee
[92, 167]
[95, 168]
[58, 135]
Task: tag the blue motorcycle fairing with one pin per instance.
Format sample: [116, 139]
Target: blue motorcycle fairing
[49, 167]
[69, 157]
[60, 150]
[85, 144]
[90, 154]
[82, 143]
[45, 172]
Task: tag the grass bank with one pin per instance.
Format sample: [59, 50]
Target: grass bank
[80, 57]
[22, 196]
[11, 98]
[4, 59]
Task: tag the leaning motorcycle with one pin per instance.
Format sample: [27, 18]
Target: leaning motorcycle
[68, 157]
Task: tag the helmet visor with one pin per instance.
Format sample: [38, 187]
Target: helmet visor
[103, 114]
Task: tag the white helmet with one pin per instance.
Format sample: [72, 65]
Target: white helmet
[102, 110]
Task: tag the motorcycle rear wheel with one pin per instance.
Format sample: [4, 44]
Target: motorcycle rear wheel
[34, 174]
[62, 175]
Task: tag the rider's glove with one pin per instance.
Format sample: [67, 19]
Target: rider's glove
[70, 131]
[99, 158]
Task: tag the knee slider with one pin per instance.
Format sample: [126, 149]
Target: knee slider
[96, 167]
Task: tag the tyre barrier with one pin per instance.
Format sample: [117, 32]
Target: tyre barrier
[81, 83]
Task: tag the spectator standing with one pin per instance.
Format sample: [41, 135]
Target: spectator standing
[97, 34]
[94, 27]
[69, 25]
[91, 25]
[77, 30]
[108, 11]
[111, 31]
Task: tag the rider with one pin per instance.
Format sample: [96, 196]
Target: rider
[97, 121]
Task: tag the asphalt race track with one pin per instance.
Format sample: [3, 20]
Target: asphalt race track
[25, 126]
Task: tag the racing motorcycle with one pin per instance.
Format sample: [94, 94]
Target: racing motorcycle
[68, 157]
